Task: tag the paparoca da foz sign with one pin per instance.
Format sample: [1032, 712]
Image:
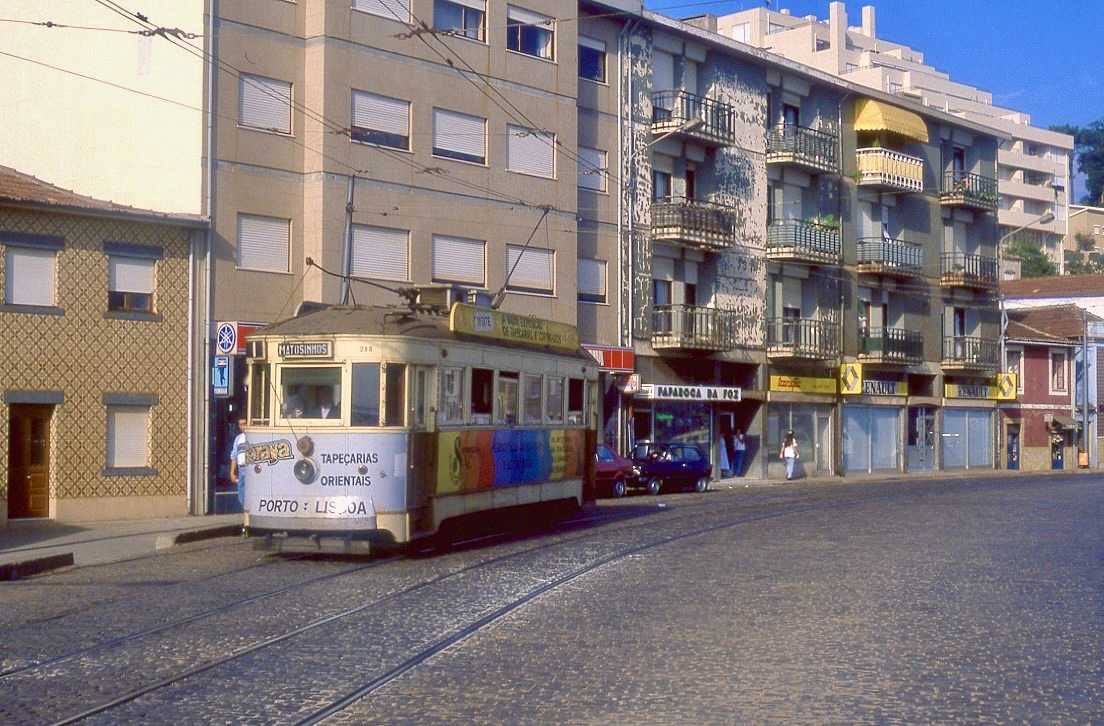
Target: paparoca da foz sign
[671, 392]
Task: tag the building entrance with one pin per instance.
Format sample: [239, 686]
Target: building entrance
[29, 461]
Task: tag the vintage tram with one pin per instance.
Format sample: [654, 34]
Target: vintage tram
[385, 425]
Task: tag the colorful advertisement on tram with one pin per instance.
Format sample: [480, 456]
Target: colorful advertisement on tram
[486, 459]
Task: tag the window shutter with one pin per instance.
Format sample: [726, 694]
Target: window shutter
[456, 259]
[480, 5]
[459, 133]
[264, 103]
[127, 436]
[380, 113]
[533, 270]
[130, 274]
[663, 71]
[592, 169]
[390, 9]
[528, 151]
[30, 276]
[593, 44]
[264, 243]
[520, 16]
[381, 253]
[592, 277]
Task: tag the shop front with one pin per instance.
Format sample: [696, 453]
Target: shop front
[616, 384]
[802, 404]
[871, 421]
[687, 414]
[969, 432]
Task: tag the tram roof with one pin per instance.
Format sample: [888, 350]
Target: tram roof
[389, 321]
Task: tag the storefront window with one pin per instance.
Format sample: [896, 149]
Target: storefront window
[686, 422]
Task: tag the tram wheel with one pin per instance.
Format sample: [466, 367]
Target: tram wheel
[655, 486]
[618, 488]
[701, 485]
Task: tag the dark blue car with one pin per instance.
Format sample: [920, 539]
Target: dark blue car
[670, 466]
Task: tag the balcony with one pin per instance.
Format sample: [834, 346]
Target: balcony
[891, 345]
[673, 110]
[791, 240]
[880, 256]
[968, 271]
[690, 327]
[890, 170]
[802, 339]
[968, 191]
[964, 353]
[693, 223]
[807, 149]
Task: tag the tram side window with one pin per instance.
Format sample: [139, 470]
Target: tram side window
[450, 408]
[575, 401]
[553, 399]
[394, 399]
[260, 394]
[482, 397]
[507, 398]
[310, 393]
[366, 394]
[532, 393]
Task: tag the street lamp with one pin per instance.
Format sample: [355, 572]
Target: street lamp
[1044, 218]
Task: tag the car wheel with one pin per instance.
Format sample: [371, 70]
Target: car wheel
[655, 486]
[618, 488]
[701, 485]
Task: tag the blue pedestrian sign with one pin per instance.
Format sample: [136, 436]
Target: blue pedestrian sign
[220, 376]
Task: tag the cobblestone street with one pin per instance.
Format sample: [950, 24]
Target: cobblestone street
[955, 601]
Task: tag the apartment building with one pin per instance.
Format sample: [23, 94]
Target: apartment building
[744, 241]
[1032, 162]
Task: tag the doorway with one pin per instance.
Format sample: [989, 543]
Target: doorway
[1013, 436]
[29, 461]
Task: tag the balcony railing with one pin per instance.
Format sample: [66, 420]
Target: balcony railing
[802, 338]
[972, 191]
[882, 256]
[973, 271]
[791, 239]
[887, 169]
[694, 223]
[961, 352]
[802, 147]
[690, 327]
[891, 345]
[671, 110]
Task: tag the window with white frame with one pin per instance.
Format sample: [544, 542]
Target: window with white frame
[1014, 361]
[264, 103]
[529, 33]
[30, 276]
[380, 120]
[529, 269]
[554, 399]
[741, 32]
[130, 282]
[390, 9]
[1058, 371]
[461, 18]
[450, 407]
[459, 136]
[530, 151]
[458, 259]
[592, 280]
[592, 169]
[128, 436]
[380, 253]
[531, 394]
[592, 59]
[264, 243]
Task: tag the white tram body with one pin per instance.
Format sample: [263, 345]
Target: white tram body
[377, 425]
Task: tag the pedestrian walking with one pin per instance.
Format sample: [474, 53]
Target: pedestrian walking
[237, 461]
[789, 454]
[739, 446]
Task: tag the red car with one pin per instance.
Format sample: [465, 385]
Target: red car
[612, 472]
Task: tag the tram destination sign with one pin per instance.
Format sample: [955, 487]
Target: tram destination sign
[662, 391]
[306, 349]
[510, 328]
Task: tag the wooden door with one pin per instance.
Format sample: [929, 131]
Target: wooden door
[29, 461]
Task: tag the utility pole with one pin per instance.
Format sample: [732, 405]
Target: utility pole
[1085, 382]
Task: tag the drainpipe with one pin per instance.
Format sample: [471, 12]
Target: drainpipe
[205, 418]
[1084, 381]
[837, 440]
[347, 248]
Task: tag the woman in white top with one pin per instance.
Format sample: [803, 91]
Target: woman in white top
[789, 453]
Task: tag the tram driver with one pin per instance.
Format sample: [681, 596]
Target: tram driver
[325, 406]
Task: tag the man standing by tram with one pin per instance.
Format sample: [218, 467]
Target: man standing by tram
[237, 460]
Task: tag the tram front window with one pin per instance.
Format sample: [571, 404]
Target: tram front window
[310, 393]
[369, 401]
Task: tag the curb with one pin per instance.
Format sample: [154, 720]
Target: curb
[28, 568]
[165, 541]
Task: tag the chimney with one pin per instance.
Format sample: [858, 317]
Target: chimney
[837, 29]
[868, 21]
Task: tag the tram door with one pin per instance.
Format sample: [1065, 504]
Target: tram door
[29, 461]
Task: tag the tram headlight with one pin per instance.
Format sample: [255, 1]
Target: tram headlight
[305, 444]
[305, 470]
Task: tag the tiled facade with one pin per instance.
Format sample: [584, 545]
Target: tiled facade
[79, 358]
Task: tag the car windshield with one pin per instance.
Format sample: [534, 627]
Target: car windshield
[649, 452]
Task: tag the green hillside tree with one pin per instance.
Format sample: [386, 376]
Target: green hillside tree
[1033, 261]
[1088, 152]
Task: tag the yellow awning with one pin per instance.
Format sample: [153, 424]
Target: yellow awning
[871, 115]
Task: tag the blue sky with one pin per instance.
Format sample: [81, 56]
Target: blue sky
[1045, 58]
